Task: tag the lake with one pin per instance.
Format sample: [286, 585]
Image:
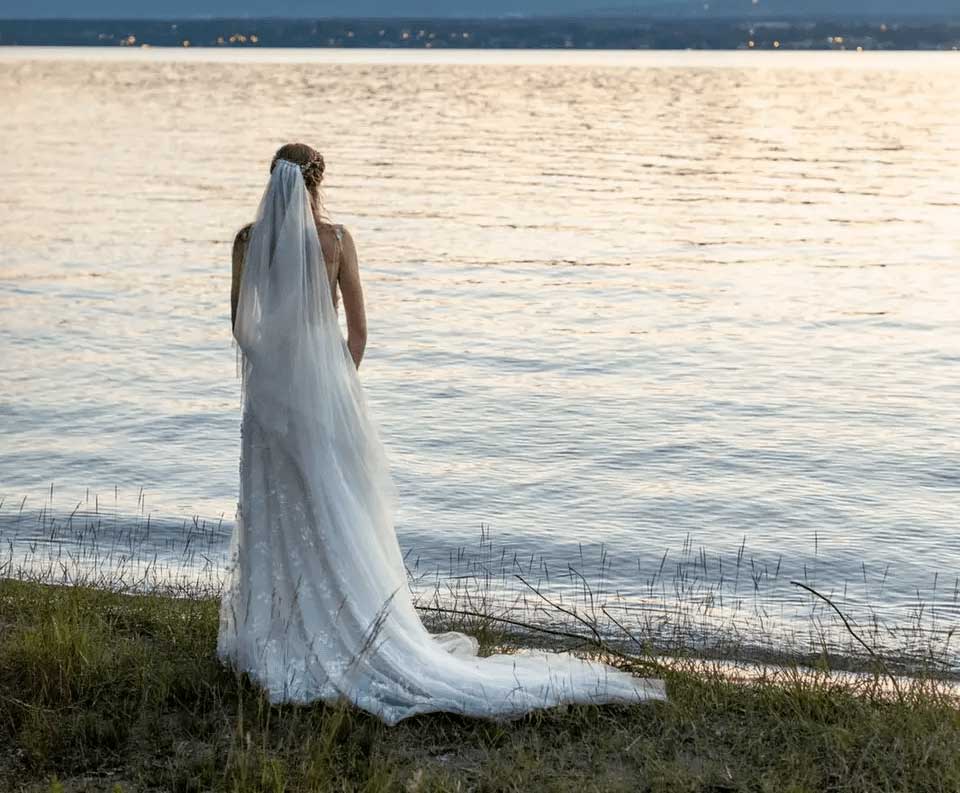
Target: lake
[661, 317]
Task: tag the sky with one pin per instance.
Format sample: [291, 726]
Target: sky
[454, 8]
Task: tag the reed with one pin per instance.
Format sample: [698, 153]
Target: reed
[109, 682]
[103, 691]
[738, 606]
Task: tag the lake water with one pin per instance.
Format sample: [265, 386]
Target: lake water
[646, 314]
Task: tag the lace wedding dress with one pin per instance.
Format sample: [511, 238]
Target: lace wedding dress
[316, 604]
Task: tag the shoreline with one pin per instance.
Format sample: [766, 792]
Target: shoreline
[758, 29]
[105, 692]
[679, 610]
[732, 660]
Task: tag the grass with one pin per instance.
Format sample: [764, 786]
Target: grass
[102, 691]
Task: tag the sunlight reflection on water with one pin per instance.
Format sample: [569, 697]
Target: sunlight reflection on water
[637, 300]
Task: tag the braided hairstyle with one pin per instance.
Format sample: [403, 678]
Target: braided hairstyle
[312, 167]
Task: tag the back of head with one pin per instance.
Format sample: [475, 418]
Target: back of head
[308, 158]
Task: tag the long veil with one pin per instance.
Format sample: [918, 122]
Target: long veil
[316, 603]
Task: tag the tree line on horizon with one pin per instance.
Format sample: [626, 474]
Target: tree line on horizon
[559, 33]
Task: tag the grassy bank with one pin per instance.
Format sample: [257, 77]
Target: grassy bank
[110, 692]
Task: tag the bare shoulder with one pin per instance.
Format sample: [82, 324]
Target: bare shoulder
[243, 235]
[331, 231]
[346, 239]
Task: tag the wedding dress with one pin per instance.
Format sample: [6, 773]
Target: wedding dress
[316, 604]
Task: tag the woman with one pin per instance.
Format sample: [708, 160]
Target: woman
[335, 241]
[316, 604]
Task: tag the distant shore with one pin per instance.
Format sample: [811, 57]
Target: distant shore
[589, 33]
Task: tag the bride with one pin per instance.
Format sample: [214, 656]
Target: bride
[316, 604]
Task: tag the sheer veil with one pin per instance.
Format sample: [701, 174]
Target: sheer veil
[316, 603]
[299, 381]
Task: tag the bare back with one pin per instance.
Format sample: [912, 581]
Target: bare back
[340, 259]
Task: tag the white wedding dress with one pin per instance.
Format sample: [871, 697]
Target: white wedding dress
[316, 604]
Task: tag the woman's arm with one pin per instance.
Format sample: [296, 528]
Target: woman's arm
[352, 293]
[239, 250]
